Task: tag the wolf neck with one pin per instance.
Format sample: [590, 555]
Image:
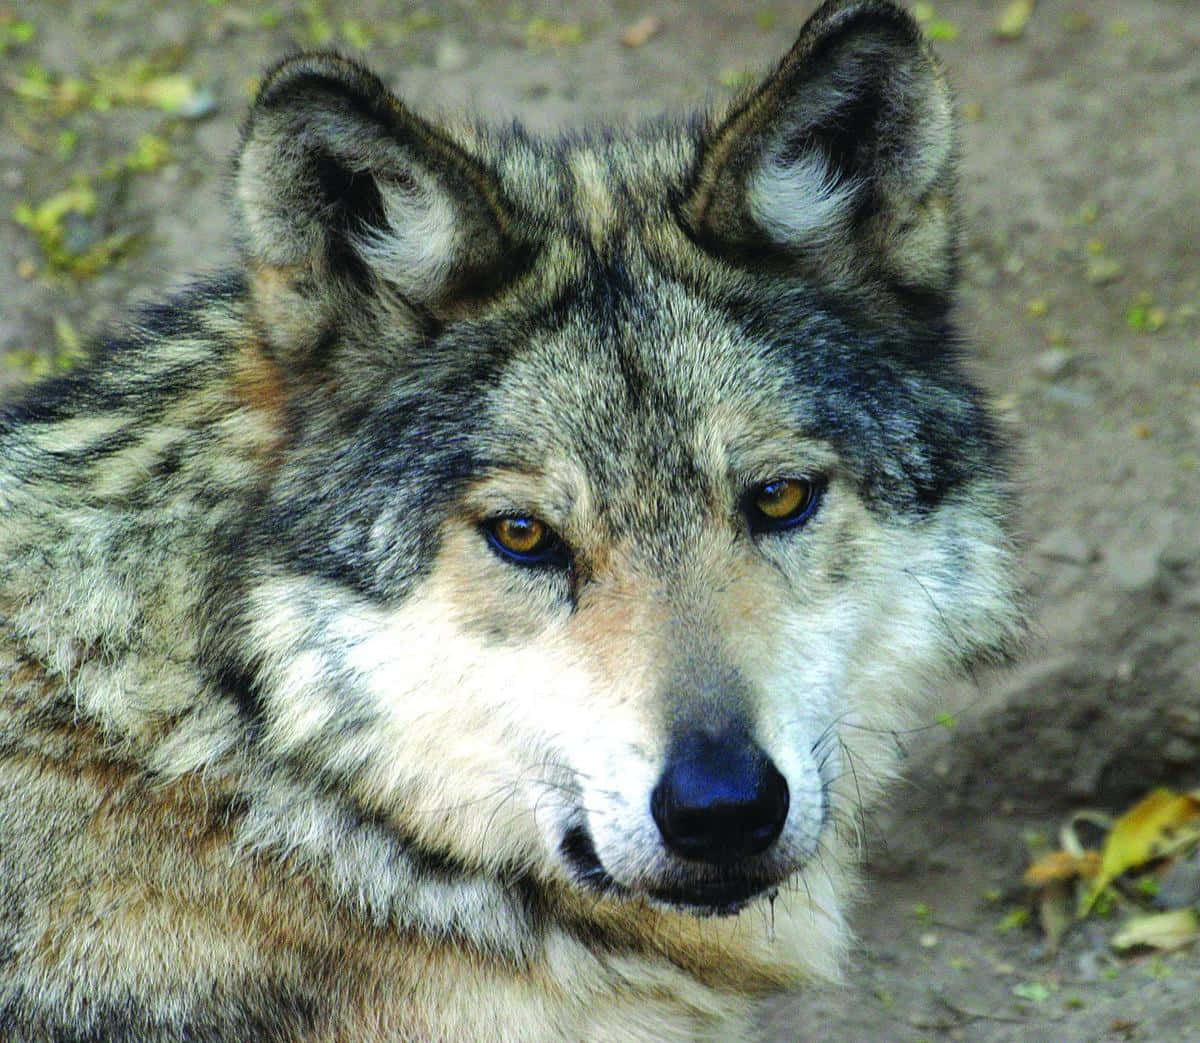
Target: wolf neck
[109, 499]
[112, 504]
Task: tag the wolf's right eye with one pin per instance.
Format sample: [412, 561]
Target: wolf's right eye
[525, 540]
[782, 503]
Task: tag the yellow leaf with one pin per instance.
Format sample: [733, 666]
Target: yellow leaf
[1164, 931]
[1057, 866]
[923, 11]
[169, 93]
[1014, 18]
[941, 29]
[1145, 832]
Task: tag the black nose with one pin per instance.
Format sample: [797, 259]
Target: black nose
[720, 798]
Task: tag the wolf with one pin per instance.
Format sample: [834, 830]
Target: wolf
[484, 612]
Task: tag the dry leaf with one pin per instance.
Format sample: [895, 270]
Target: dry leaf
[1148, 830]
[642, 31]
[1061, 866]
[1163, 931]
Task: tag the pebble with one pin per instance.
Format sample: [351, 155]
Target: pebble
[79, 233]
[1134, 569]
[1185, 720]
[200, 104]
[1065, 545]
[1180, 886]
[1069, 397]
[1177, 750]
[1052, 364]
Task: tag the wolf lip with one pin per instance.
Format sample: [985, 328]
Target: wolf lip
[579, 850]
[723, 897]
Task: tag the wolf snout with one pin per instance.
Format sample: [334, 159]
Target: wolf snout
[720, 798]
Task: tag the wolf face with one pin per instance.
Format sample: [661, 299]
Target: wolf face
[629, 492]
[529, 551]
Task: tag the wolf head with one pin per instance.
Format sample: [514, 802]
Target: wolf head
[625, 495]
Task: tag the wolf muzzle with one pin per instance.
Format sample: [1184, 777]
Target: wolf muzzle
[720, 799]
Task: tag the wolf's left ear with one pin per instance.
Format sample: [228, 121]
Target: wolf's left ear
[844, 155]
[341, 188]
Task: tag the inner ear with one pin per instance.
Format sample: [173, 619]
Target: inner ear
[340, 184]
[842, 157]
[356, 212]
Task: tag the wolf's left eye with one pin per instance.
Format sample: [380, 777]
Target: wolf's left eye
[782, 503]
[525, 540]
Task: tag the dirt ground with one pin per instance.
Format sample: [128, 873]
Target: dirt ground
[1081, 162]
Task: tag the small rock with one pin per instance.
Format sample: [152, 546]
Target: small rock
[198, 105]
[1180, 887]
[79, 233]
[1185, 720]
[1065, 545]
[13, 179]
[1069, 397]
[451, 56]
[1052, 364]
[642, 31]
[1177, 750]
[1134, 569]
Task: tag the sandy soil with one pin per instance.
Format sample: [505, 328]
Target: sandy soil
[1081, 157]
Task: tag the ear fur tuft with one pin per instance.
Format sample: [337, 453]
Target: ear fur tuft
[338, 185]
[846, 150]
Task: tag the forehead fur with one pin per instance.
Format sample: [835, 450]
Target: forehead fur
[624, 306]
[643, 386]
[628, 338]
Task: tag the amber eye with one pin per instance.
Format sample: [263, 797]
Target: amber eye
[523, 539]
[782, 503]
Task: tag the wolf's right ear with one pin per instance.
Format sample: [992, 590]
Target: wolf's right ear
[340, 188]
[841, 160]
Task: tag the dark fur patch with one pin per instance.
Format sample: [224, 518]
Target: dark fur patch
[266, 1013]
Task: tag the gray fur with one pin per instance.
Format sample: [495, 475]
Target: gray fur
[288, 751]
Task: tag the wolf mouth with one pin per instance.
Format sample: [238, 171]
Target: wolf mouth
[724, 896]
[715, 897]
[579, 850]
